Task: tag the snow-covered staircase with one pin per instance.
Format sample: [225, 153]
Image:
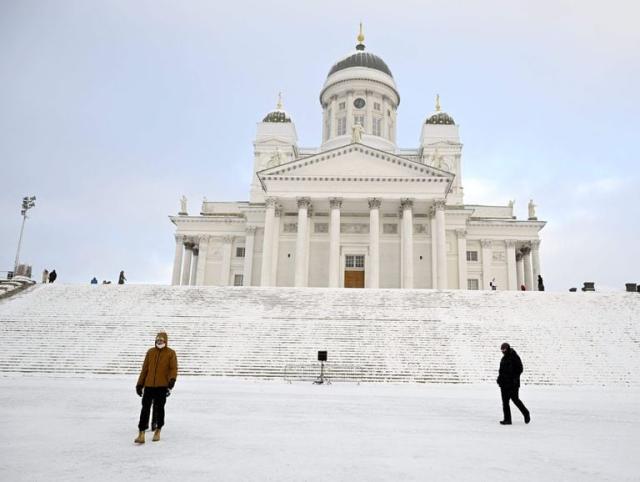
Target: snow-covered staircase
[371, 335]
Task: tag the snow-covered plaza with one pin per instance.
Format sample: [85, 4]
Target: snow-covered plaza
[56, 428]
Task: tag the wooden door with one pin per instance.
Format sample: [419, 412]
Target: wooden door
[354, 279]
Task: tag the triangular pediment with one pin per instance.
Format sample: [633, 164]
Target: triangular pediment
[355, 160]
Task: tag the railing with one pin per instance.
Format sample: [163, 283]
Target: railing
[331, 372]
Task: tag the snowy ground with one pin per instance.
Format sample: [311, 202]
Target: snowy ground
[83, 429]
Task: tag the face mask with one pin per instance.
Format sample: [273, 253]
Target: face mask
[160, 344]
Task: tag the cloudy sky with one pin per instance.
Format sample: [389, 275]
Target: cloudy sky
[111, 110]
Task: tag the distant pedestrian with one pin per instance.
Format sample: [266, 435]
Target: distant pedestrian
[121, 278]
[523, 288]
[509, 381]
[540, 283]
[94, 281]
[52, 276]
[45, 276]
[493, 285]
[157, 379]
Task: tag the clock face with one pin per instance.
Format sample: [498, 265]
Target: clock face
[359, 103]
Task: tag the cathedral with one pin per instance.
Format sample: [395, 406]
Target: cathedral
[358, 211]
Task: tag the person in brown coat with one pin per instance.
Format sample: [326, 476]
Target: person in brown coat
[157, 379]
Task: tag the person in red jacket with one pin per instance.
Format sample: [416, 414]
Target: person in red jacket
[157, 379]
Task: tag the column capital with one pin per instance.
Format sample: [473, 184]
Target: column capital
[335, 202]
[406, 203]
[277, 212]
[526, 249]
[270, 202]
[461, 233]
[179, 238]
[304, 202]
[203, 238]
[535, 244]
[439, 204]
[486, 243]
[510, 243]
[374, 203]
[251, 230]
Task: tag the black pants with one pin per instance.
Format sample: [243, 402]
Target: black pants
[511, 393]
[156, 396]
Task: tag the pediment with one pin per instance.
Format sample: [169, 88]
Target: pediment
[355, 160]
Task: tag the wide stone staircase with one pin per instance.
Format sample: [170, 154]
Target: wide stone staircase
[425, 336]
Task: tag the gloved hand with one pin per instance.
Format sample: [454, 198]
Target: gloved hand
[139, 390]
[172, 383]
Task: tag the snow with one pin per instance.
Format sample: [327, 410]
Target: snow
[65, 429]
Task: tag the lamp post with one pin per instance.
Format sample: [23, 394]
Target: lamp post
[27, 203]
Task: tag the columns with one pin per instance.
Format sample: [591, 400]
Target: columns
[434, 251]
[267, 242]
[301, 242]
[535, 259]
[225, 270]
[177, 260]
[487, 258]
[462, 258]
[373, 270]
[247, 269]
[194, 264]
[519, 270]
[407, 242]
[202, 260]
[512, 270]
[334, 242]
[275, 246]
[385, 118]
[186, 267]
[526, 258]
[441, 242]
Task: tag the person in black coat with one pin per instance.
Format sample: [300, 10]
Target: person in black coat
[509, 382]
[540, 283]
[52, 276]
[121, 278]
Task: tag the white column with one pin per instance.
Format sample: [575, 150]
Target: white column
[385, 118]
[301, 241]
[186, 267]
[373, 270]
[307, 245]
[275, 247]
[225, 270]
[334, 242]
[267, 241]
[519, 269]
[462, 258]
[407, 242]
[512, 270]
[249, 240]
[487, 259]
[194, 264]
[177, 260]
[349, 111]
[441, 238]
[526, 258]
[202, 260]
[434, 250]
[368, 119]
[535, 260]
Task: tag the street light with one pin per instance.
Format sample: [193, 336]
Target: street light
[27, 203]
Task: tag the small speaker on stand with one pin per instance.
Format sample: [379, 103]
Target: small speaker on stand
[322, 357]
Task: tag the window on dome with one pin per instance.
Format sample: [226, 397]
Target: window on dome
[359, 119]
[342, 105]
[342, 126]
[376, 106]
[377, 126]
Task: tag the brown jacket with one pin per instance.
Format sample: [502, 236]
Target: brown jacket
[159, 366]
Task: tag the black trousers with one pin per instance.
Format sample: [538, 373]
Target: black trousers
[156, 396]
[511, 393]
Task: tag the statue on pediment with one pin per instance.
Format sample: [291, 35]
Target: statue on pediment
[183, 205]
[532, 210]
[356, 133]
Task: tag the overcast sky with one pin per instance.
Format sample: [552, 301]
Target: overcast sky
[111, 110]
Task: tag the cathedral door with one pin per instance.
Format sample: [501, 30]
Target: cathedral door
[354, 279]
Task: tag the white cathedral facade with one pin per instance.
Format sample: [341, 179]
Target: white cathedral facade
[358, 211]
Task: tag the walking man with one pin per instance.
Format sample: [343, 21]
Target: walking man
[509, 382]
[156, 380]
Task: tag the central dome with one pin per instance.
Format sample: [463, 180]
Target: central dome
[361, 59]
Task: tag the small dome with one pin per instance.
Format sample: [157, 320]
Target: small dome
[277, 116]
[440, 118]
[361, 59]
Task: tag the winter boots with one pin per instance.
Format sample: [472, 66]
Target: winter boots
[156, 435]
[140, 438]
